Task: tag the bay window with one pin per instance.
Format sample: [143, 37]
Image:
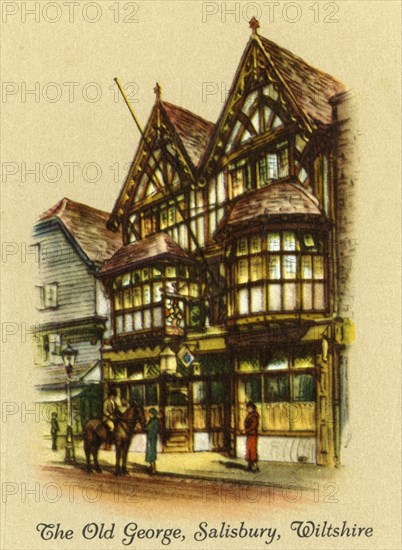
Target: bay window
[282, 271]
[156, 297]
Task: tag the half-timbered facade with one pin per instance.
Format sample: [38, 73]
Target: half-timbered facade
[225, 290]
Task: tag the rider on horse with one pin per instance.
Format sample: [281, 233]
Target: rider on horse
[110, 414]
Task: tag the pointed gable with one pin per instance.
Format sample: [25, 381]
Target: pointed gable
[272, 88]
[169, 152]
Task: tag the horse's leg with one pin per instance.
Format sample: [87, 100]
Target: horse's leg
[118, 455]
[124, 457]
[95, 449]
[87, 448]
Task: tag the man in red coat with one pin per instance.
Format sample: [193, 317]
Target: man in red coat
[251, 430]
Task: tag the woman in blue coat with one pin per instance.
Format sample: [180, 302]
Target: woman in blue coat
[152, 429]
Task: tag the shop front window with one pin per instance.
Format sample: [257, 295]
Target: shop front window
[282, 384]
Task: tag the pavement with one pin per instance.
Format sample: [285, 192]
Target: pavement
[204, 466]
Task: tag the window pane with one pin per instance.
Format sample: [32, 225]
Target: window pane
[147, 318]
[289, 241]
[145, 274]
[137, 320]
[237, 181]
[137, 296]
[137, 276]
[137, 394]
[126, 279]
[268, 169]
[277, 360]
[170, 271]
[274, 267]
[249, 363]
[290, 297]
[118, 300]
[307, 296]
[199, 392]
[274, 297]
[277, 388]
[242, 247]
[304, 360]
[289, 267]
[253, 389]
[151, 395]
[157, 272]
[128, 323]
[242, 271]
[158, 318]
[119, 324]
[243, 301]
[283, 161]
[274, 241]
[318, 267]
[158, 288]
[255, 268]
[255, 245]
[128, 298]
[257, 299]
[306, 267]
[319, 296]
[303, 387]
[217, 391]
[146, 291]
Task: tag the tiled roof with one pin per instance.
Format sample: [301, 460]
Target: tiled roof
[311, 87]
[277, 199]
[193, 130]
[158, 246]
[87, 226]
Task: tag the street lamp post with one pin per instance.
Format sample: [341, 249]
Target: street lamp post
[69, 355]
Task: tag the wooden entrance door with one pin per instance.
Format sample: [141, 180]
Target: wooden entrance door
[177, 418]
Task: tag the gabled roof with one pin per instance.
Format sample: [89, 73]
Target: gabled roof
[193, 130]
[86, 226]
[311, 87]
[306, 90]
[159, 246]
[192, 134]
[276, 200]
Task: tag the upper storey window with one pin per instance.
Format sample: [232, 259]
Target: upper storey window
[157, 297]
[273, 166]
[283, 271]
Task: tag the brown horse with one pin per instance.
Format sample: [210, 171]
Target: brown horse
[95, 434]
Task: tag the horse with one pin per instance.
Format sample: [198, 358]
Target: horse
[95, 433]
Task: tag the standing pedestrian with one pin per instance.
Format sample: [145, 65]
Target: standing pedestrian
[251, 430]
[152, 429]
[54, 429]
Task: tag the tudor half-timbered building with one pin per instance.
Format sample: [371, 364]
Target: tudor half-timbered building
[225, 290]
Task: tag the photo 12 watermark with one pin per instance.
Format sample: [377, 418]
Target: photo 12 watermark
[271, 12]
[69, 12]
[30, 92]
